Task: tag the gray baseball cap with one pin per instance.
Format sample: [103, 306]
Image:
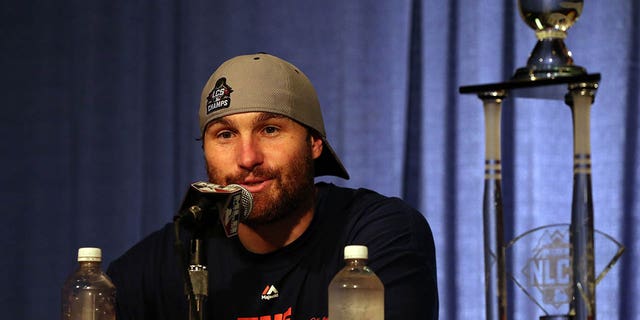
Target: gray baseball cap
[265, 83]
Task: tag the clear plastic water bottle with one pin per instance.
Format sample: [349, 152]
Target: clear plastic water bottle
[88, 293]
[355, 291]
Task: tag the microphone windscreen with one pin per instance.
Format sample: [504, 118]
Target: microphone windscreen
[246, 201]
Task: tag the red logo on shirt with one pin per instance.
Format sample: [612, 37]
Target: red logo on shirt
[278, 316]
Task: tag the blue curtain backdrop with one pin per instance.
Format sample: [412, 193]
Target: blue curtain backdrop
[99, 120]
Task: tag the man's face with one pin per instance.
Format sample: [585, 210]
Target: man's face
[268, 154]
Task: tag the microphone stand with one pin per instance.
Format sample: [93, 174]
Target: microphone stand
[228, 204]
[198, 273]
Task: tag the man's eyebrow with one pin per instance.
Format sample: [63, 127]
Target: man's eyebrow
[220, 121]
[264, 116]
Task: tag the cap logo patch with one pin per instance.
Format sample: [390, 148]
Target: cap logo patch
[219, 97]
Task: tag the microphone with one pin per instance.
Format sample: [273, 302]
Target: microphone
[197, 214]
[232, 204]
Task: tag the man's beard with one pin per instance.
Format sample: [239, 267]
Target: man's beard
[291, 193]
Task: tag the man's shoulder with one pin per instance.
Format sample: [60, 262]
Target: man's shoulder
[369, 215]
[364, 214]
[363, 199]
[153, 245]
[332, 191]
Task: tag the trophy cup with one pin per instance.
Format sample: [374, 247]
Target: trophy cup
[550, 57]
[559, 273]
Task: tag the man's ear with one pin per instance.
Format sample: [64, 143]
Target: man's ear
[316, 146]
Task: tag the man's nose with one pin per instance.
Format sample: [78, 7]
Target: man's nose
[250, 153]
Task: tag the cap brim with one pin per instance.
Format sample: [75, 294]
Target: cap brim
[328, 164]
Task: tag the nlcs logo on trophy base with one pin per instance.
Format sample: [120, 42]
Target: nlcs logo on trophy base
[549, 269]
[541, 266]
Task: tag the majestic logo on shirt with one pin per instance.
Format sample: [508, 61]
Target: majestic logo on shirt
[220, 96]
[270, 292]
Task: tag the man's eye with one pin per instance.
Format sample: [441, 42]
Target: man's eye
[270, 129]
[224, 135]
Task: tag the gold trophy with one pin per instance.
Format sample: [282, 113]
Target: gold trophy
[555, 266]
[550, 57]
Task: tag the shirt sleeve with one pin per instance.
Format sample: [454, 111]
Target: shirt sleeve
[402, 254]
[128, 291]
[148, 281]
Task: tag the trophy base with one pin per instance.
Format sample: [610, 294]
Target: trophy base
[550, 59]
[557, 317]
[526, 74]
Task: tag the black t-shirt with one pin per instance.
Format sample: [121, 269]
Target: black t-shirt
[292, 282]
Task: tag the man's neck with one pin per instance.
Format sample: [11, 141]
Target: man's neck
[273, 236]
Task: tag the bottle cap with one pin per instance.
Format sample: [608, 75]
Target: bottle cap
[90, 254]
[356, 252]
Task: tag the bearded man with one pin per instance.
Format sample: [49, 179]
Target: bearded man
[262, 129]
